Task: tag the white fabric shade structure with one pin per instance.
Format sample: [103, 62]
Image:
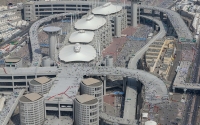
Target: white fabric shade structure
[77, 52]
[150, 123]
[107, 9]
[145, 115]
[81, 36]
[90, 23]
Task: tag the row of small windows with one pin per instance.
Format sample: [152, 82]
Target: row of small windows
[97, 95]
[93, 113]
[60, 5]
[92, 107]
[93, 120]
[96, 89]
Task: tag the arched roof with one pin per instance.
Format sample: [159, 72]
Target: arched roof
[107, 9]
[81, 36]
[90, 23]
[72, 53]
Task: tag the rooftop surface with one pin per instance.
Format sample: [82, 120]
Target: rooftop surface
[51, 29]
[90, 23]
[31, 97]
[107, 9]
[12, 60]
[64, 88]
[40, 80]
[77, 52]
[86, 99]
[81, 36]
[28, 70]
[92, 82]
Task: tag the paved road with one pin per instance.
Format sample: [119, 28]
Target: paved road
[130, 99]
[193, 79]
[138, 55]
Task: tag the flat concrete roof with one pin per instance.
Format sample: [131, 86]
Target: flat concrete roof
[12, 60]
[92, 82]
[51, 29]
[31, 97]
[86, 99]
[42, 80]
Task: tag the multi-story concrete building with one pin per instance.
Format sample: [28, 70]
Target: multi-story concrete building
[31, 108]
[13, 62]
[100, 25]
[29, 11]
[40, 9]
[93, 87]
[116, 14]
[86, 110]
[12, 78]
[40, 85]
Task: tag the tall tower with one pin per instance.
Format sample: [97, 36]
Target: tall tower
[134, 13]
[52, 31]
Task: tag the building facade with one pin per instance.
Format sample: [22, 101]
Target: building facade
[13, 62]
[31, 108]
[93, 87]
[40, 85]
[86, 110]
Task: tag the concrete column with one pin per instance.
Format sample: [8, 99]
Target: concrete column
[53, 34]
[58, 108]
[185, 91]
[173, 89]
[26, 83]
[154, 26]
[124, 84]
[104, 85]
[101, 122]
[161, 15]
[45, 112]
[168, 22]
[141, 11]
[13, 82]
[52, 45]
[153, 13]
[134, 14]
[118, 26]
[73, 108]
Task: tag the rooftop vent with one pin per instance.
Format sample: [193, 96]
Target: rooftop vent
[81, 31]
[107, 4]
[89, 17]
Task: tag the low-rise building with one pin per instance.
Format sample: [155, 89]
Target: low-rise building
[160, 55]
[13, 62]
[40, 85]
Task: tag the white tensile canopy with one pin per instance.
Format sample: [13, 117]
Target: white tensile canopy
[107, 9]
[90, 23]
[81, 36]
[77, 52]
